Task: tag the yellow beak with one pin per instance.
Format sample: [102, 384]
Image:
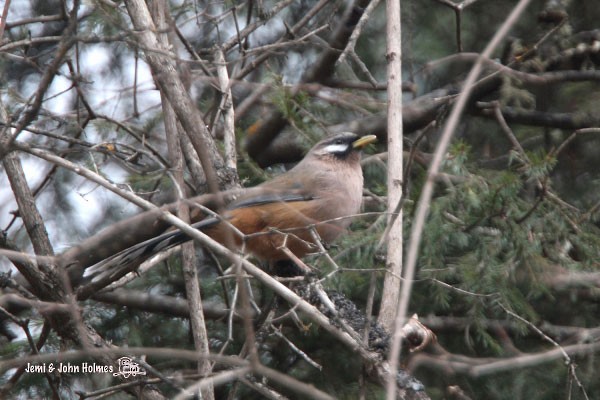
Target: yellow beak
[363, 141]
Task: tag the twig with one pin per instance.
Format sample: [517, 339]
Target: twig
[572, 137]
[226, 107]
[212, 381]
[357, 31]
[277, 332]
[568, 361]
[4, 16]
[238, 36]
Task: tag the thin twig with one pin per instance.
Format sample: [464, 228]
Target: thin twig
[357, 31]
[3, 20]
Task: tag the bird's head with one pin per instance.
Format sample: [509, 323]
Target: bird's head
[341, 146]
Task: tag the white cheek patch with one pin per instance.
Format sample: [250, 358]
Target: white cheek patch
[336, 148]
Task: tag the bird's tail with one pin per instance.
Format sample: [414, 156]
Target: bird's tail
[125, 261]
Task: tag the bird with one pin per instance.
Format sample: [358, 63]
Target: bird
[319, 194]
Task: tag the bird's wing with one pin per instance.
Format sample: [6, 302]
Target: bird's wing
[288, 187]
[267, 198]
